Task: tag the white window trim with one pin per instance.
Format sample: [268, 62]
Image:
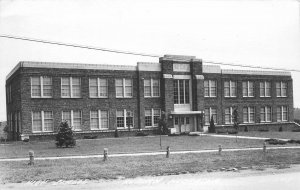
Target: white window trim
[152, 117]
[151, 88]
[210, 114]
[230, 89]
[43, 123]
[248, 115]
[281, 89]
[265, 89]
[71, 88]
[231, 115]
[98, 88]
[99, 120]
[71, 124]
[281, 113]
[41, 86]
[248, 88]
[124, 88]
[265, 113]
[210, 89]
[184, 95]
[124, 115]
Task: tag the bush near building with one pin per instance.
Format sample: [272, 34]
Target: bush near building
[65, 136]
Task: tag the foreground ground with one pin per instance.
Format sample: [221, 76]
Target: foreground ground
[131, 167]
[271, 178]
[140, 144]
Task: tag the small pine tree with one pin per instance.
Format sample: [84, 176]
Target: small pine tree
[235, 120]
[65, 136]
[212, 127]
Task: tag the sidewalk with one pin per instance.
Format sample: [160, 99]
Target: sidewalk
[242, 137]
[147, 153]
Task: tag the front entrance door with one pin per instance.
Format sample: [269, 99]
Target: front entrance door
[182, 124]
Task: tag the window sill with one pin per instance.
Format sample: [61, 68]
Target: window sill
[42, 131]
[41, 97]
[71, 97]
[124, 97]
[98, 97]
[102, 129]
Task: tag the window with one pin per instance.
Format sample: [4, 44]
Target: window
[99, 119]
[265, 89]
[265, 114]
[152, 117]
[70, 87]
[228, 115]
[151, 88]
[248, 89]
[248, 114]
[41, 87]
[230, 89]
[181, 91]
[73, 118]
[42, 121]
[282, 113]
[8, 94]
[123, 88]
[210, 88]
[98, 88]
[124, 119]
[281, 89]
[210, 112]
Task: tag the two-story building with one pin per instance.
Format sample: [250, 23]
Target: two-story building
[96, 99]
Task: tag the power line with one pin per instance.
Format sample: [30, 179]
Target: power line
[134, 53]
[77, 46]
[251, 66]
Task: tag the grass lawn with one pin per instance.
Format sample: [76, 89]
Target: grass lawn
[272, 134]
[128, 167]
[124, 145]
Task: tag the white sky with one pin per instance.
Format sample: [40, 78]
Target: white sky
[261, 33]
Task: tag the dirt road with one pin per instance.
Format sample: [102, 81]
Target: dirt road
[246, 180]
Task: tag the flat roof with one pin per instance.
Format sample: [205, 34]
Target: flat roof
[141, 66]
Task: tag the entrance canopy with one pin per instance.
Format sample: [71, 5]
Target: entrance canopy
[186, 112]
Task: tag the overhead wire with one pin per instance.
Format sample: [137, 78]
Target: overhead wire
[134, 53]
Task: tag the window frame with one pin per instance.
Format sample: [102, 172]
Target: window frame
[230, 115]
[125, 111]
[41, 87]
[70, 85]
[281, 112]
[263, 86]
[210, 87]
[124, 87]
[152, 115]
[99, 87]
[264, 111]
[99, 120]
[249, 114]
[152, 94]
[210, 114]
[42, 122]
[246, 88]
[230, 87]
[72, 119]
[178, 83]
[281, 89]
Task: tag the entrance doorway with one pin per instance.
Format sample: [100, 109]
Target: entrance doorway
[182, 124]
